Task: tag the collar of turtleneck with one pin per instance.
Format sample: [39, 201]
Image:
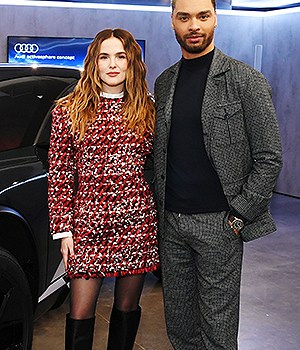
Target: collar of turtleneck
[107, 95]
[199, 62]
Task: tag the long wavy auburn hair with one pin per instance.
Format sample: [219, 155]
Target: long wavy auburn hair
[138, 108]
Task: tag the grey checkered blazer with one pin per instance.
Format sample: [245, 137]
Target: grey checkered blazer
[241, 137]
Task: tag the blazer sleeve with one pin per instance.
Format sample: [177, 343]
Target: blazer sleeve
[61, 175]
[264, 138]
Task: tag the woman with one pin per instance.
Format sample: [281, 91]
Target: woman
[100, 205]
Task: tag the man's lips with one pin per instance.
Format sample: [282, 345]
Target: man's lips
[194, 38]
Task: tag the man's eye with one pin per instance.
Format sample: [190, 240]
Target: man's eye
[183, 18]
[204, 17]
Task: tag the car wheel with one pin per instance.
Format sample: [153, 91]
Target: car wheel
[16, 312]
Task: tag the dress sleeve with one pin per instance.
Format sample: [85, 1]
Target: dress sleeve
[61, 235]
[61, 175]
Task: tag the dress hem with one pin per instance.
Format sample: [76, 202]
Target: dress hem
[114, 274]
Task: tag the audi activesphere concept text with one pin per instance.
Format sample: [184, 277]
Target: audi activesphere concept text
[31, 269]
[47, 50]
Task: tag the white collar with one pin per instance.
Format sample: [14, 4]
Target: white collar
[105, 94]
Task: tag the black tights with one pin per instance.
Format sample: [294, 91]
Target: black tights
[84, 295]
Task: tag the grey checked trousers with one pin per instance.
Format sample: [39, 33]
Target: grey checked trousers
[201, 261]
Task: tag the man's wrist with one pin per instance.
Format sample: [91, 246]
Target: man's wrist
[236, 223]
[235, 213]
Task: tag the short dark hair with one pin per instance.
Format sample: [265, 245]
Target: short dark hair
[214, 3]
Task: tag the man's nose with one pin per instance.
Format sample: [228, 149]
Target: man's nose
[194, 24]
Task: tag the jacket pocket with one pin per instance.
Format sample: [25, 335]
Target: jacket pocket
[228, 124]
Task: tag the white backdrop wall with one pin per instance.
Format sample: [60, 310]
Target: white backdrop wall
[236, 35]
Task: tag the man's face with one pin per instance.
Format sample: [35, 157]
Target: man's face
[194, 22]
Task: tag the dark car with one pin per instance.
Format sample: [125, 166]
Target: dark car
[31, 270]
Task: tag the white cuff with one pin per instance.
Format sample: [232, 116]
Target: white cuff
[61, 235]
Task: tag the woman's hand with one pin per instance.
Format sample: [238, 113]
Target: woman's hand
[66, 249]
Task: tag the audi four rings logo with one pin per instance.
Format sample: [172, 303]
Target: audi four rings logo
[26, 48]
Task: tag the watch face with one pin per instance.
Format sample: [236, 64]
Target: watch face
[237, 224]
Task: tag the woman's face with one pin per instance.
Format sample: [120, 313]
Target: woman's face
[112, 64]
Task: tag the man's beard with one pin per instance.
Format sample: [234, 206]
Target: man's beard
[195, 48]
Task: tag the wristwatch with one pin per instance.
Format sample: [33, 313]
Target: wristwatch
[235, 223]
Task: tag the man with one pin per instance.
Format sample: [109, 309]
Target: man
[217, 157]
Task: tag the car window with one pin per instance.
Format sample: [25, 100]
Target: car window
[43, 137]
[24, 103]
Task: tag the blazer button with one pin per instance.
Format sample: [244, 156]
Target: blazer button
[162, 177]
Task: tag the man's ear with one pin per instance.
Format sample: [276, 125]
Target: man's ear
[216, 21]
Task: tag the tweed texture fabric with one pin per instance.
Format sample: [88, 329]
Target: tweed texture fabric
[201, 268]
[241, 137]
[111, 214]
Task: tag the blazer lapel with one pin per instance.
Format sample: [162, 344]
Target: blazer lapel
[170, 84]
[215, 86]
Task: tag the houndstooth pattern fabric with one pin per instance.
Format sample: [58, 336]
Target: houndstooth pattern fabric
[201, 267]
[111, 215]
[241, 137]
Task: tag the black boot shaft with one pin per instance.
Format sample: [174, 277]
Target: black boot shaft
[122, 329]
[79, 334]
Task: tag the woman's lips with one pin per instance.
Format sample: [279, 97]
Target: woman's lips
[113, 74]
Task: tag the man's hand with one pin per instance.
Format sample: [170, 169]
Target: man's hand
[236, 231]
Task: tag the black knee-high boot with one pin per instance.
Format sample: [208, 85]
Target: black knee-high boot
[122, 329]
[79, 334]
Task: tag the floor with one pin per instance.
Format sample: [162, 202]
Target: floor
[270, 296]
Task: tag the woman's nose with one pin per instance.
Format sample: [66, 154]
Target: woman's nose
[112, 63]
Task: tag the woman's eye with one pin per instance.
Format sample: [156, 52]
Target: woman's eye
[122, 57]
[102, 57]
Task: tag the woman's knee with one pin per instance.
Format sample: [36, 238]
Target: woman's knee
[126, 305]
[128, 292]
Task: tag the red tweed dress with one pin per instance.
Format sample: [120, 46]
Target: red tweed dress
[111, 214]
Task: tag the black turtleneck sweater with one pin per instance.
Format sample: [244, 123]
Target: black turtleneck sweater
[193, 185]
